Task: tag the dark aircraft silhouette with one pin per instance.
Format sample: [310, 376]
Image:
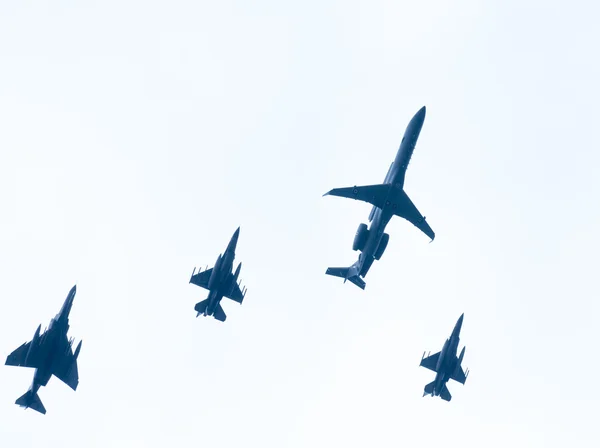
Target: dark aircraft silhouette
[388, 199]
[49, 354]
[446, 365]
[221, 282]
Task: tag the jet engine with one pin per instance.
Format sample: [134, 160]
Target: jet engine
[360, 238]
[385, 238]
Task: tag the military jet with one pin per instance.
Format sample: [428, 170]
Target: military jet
[221, 282]
[446, 365]
[388, 199]
[49, 353]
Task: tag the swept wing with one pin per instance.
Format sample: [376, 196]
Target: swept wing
[431, 361]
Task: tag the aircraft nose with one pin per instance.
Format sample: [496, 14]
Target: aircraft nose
[234, 238]
[419, 117]
[459, 322]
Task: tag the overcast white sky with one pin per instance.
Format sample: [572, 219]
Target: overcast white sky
[135, 136]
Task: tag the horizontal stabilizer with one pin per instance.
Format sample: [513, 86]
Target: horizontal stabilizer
[201, 307]
[219, 314]
[31, 400]
[445, 394]
[429, 389]
[346, 275]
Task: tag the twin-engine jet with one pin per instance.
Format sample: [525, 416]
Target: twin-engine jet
[388, 199]
[446, 365]
[221, 282]
[49, 353]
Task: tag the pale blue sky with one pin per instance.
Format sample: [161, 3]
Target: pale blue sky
[135, 136]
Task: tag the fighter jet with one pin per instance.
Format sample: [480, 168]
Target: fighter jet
[388, 199]
[446, 365]
[220, 282]
[49, 353]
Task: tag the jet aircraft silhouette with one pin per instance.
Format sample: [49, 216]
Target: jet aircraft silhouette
[49, 353]
[388, 199]
[221, 282]
[446, 365]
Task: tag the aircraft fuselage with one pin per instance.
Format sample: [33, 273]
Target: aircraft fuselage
[380, 217]
[448, 361]
[222, 270]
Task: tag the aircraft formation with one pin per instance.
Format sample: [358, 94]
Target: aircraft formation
[51, 353]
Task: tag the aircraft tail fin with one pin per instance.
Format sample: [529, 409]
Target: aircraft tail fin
[31, 400]
[346, 274]
[219, 314]
[429, 389]
[201, 307]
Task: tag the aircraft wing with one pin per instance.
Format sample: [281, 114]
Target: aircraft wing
[201, 278]
[431, 361]
[373, 194]
[459, 375]
[407, 210]
[19, 357]
[236, 293]
[67, 370]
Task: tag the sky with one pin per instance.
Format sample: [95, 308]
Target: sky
[136, 136]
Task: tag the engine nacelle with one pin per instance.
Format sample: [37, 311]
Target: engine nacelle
[360, 238]
[385, 239]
